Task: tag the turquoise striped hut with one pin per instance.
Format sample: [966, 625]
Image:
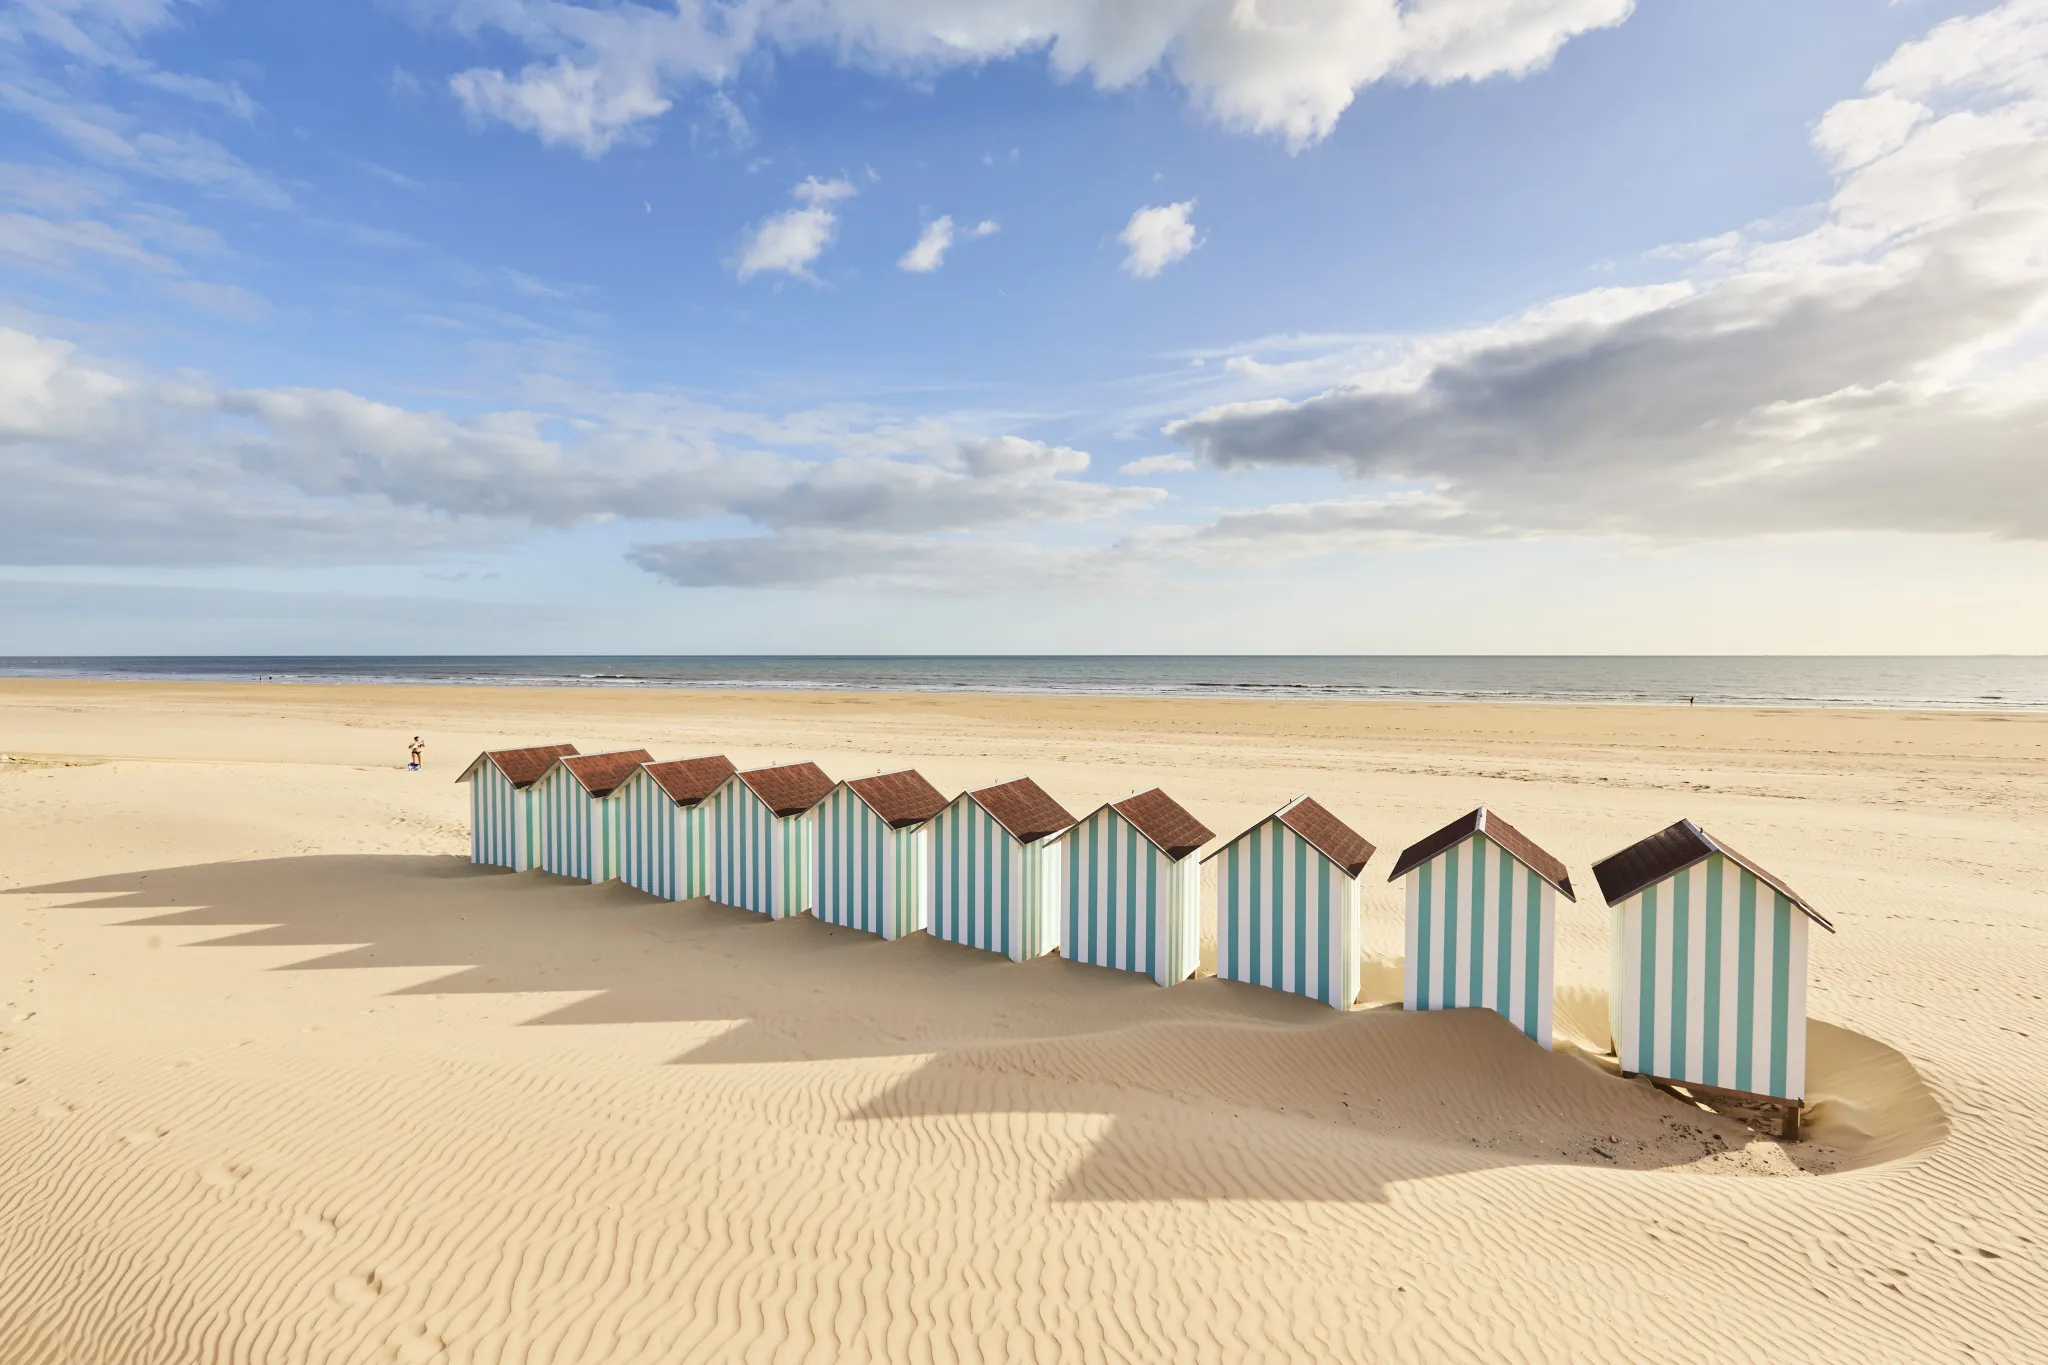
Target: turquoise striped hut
[1482, 921]
[579, 823]
[504, 823]
[1708, 971]
[664, 829]
[996, 870]
[874, 853]
[1132, 890]
[764, 839]
[1287, 904]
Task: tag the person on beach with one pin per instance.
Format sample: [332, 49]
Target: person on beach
[418, 747]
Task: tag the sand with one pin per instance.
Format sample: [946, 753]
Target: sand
[283, 1078]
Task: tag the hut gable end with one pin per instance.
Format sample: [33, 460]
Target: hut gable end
[521, 767]
[789, 790]
[1024, 808]
[1165, 822]
[1669, 852]
[689, 781]
[901, 799]
[1483, 821]
[1337, 841]
[601, 774]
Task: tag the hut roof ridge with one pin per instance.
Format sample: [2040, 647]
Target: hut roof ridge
[1164, 821]
[689, 780]
[1672, 850]
[521, 767]
[1313, 821]
[1483, 821]
[901, 798]
[790, 789]
[601, 774]
[1024, 808]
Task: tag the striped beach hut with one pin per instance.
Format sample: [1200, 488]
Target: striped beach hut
[1131, 889]
[764, 840]
[1287, 904]
[504, 824]
[996, 869]
[1708, 971]
[664, 832]
[874, 853]
[1482, 921]
[579, 823]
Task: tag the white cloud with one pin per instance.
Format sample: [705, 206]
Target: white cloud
[102, 134]
[1157, 236]
[1883, 370]
[104, 34]
[789, 241]
[1289, 71]
[929, 251]
[1155, 464]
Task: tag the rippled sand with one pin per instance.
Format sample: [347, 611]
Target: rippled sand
[283, 1078]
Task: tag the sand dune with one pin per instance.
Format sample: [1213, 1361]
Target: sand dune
[283, 1078]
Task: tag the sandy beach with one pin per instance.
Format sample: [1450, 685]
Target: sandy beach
[284, 1078]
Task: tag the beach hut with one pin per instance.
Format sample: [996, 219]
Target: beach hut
[1708, 971]
[504, 824]
[1287, 904]
[763, 839]
[579, 823]
[996, 869]
[664, 832]
[1131, 888]
[1482, 921]
[874, 853]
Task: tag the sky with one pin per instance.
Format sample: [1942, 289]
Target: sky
[1039, 326]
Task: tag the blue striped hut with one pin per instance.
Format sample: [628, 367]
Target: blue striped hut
[1482, 921]
[504, 823]
[1287, 904]
[996, 870]
[1708, 971]
[1132, 890]
[874, 853]
[664, 828]
[579, 823]
[764, 839]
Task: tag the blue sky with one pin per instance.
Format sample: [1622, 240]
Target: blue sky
[1469, 325]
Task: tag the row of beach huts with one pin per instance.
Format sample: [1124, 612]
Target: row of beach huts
[1708, 950]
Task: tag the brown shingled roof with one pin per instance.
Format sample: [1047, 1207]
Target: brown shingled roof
[1337, 841]
[902, 799]
[521, 767]
[601, 774]
[1022, 807]
[791, 789]
[1165, 822]
[1483, 821]
[1670, 851]
[689, 780]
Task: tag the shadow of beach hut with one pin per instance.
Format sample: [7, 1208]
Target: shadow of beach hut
[996, 870]
[664, 832]
[1131, 888]
[504, 824]
[579, 823]
[874, 853]
[1482, 921]
[1287, 904]
[763, 839]
[1708, 972]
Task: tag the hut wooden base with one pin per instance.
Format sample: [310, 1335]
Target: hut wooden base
[1766, 1112]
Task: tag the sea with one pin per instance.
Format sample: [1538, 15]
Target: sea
[1947, 682]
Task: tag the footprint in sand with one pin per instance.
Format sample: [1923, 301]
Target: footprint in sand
[142, 1137]
[416, 1345]
[365, 1286]
[312, 1228]
[225, 1174]
[57, 1109]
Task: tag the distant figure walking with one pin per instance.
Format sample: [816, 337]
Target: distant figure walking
[419, 747]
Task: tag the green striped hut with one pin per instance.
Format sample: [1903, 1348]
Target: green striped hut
[664, 829]
[764, 839]
[874, 853]
[504, 823]
[1287, 904]
[1132, 890]
[996, 870]
[1482, 921]
[1708, 971]
[579, 823]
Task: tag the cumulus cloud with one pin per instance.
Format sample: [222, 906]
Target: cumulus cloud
[1289, 71]
[1882, 371]
[928, 253]
[1156, 237]
[789, 241]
